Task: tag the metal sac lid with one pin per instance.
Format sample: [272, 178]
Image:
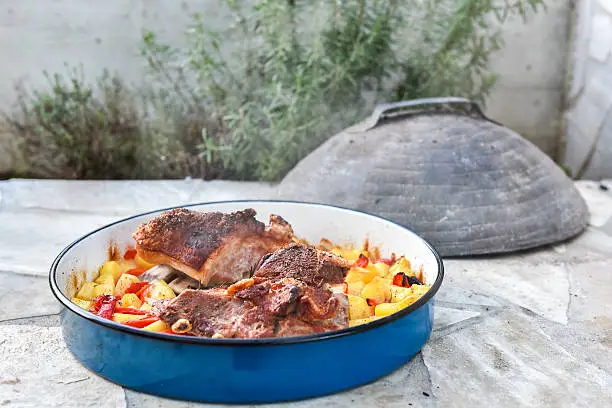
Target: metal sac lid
[438, 166]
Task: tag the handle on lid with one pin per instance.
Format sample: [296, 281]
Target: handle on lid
[450, 104]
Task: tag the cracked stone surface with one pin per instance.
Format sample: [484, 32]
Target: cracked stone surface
[42, 373]
[25, 296]
[526, 329]
[492, 364]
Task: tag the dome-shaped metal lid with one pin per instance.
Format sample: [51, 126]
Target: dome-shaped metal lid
[465, 183]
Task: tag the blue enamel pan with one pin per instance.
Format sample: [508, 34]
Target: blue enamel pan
[248, 370]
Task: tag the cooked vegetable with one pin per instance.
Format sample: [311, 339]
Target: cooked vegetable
[111, 268]
[371, 302]
[136, 271]
[87, 291]
[398, 293]
[385, 309]
[401, 265]
[381, 268]
[358, 308]
[85, 304]
[103, 290]
[385, 285]
[105, 280]
[130, 254]
[355, 288]
[378, 290]
[160, 290]
[124, 317]
[135, 287]
[131, 300]
[142, 263]
[141, 323]
[413, 280]
[129, 310]
[104, 306]
[362, 261]
[158, 326]
[358, 322]
[146, 306]
[375, 287]
[124, 283]
[357, 274]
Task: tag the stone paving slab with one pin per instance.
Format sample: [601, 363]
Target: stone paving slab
[38, 371]
[540, 287]
[25, 296]
[526, 329]
[493, 364]
[124, 197]
[30, 240]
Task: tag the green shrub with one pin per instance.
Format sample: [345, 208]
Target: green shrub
[81, 130]
[76, 130]
[299, 71]
[298, 82]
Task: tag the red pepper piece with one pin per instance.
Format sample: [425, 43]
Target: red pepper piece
[362, 261]
[345, 287]
[129, 254]
[136, 271]
[130, 310]
[97, 303]
[371, 302]
[136, 286]
[385, 261]
[142, 292]
[400, 279]
[169, 331]
[104, 306]
[140, 323]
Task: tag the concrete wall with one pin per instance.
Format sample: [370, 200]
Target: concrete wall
[588, 130]
[45, 34]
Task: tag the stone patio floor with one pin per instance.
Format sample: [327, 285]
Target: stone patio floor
[528, 329]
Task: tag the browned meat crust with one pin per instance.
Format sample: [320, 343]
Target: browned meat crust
[310, 265]
[210, 247]
[288, 295]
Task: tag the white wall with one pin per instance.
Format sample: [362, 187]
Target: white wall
[588, 133]
[45, 34]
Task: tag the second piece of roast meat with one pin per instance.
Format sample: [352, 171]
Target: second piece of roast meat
[288, 295]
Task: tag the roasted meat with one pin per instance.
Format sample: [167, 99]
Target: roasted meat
[290, 294]
[213, 248]
[310, 265]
